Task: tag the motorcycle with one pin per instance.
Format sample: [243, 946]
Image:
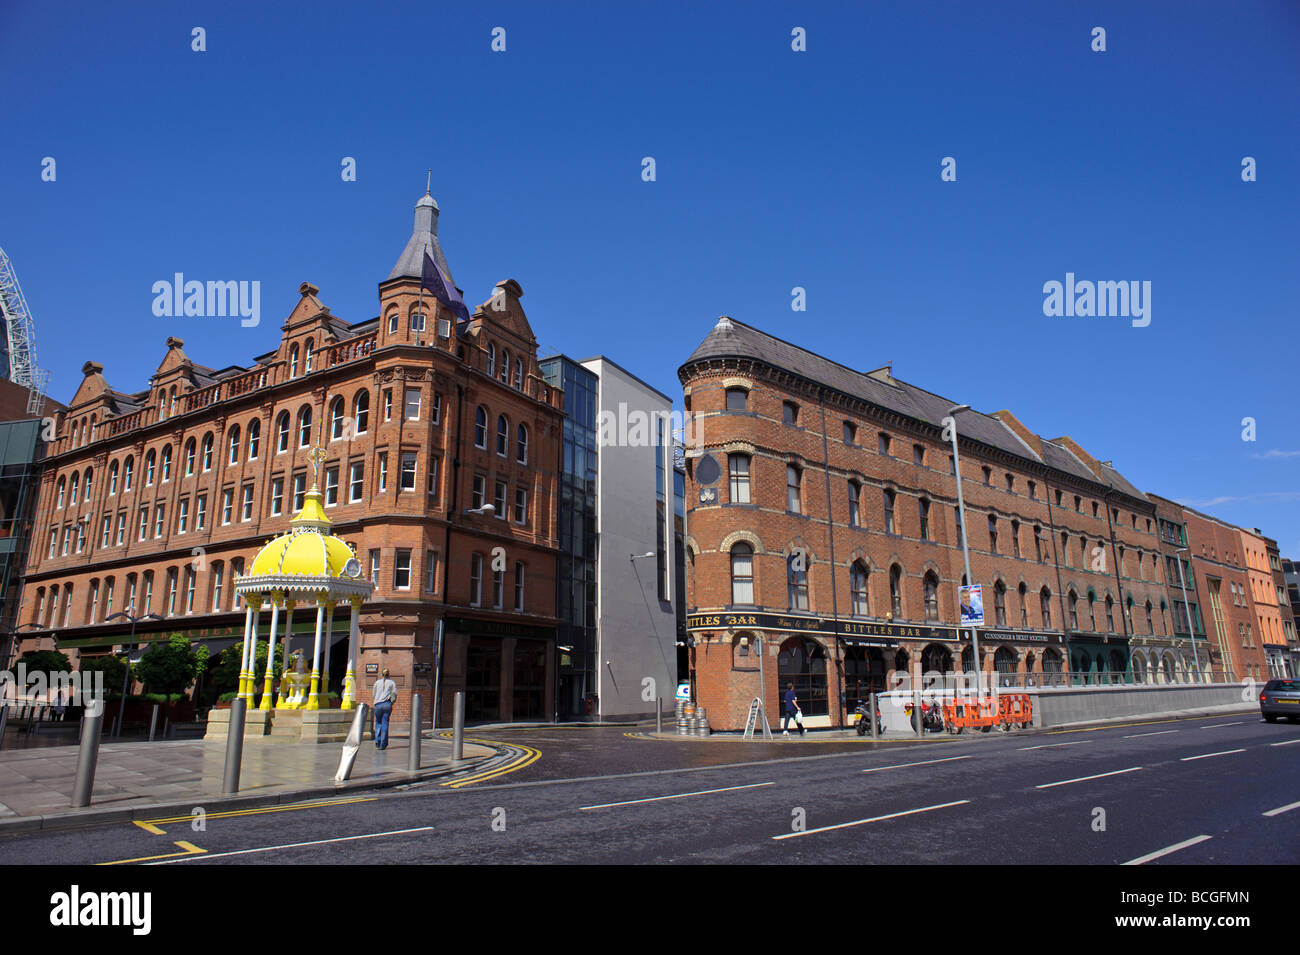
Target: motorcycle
[863, 720]
[931, 716]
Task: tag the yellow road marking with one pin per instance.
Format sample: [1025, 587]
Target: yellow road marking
[527, 758]
[151, 825]
[188, 848]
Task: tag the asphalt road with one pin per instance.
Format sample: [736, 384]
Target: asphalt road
[1097, 796]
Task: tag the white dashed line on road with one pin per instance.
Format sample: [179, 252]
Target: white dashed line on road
[1141, 860]
[1215, 726]
[923, 762]
[702, 792]
[1281, 809]
[1076, 742]
[1083, 779]
[294, 845]
[1226, 752]
[1285, 742]
[1159, 733]
[862, 822]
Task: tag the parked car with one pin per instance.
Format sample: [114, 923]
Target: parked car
[1280, 698]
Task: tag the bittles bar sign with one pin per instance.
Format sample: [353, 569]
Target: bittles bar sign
[878, 634]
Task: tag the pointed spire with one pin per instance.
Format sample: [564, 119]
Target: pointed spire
[424, 237]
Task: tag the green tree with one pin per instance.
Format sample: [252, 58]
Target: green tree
[113, 668]
[168, 667]
[45, 661]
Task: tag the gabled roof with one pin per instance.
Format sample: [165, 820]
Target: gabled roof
[733, 339]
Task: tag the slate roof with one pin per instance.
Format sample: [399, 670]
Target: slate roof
[734, 339]
[424, 236]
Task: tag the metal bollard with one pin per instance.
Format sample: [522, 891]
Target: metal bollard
[659, 714]
[88, 754]
[153, 722]
[876, 728]
[458, 728]
[916, 710]
[234, 745]
[350, 746]
[413, 764]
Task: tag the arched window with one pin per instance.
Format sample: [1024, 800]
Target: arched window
[480, 427]
[803, 663]
[167, 463]
[1151, 627]
[519, 374]
[797, 579]
[306, 362]
[1004, 661]
[737, 399]
[896, 591]
[89, 477]
[336, 419]
[742, 574]
[492, 360]
[293, 361]
[931, 586]
[521, 444]
[505, 365]
[361, 411]
[304, 426]
[1045, 607]
[190, 456]
[254, 438]
[1110, 614]
[62, 488]
[1073, 600]
[792, 498]
[72, 488]
[172, 411]
[112, 478]
[206, 456]
[150, 460]
[234, 444]
[392, 322]
[855, 493]
[282, 432]
[128, 472]
[858, 589]
[1000, 603]
[1092, 610]
[503, 435]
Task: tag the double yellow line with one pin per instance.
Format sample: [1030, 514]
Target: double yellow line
[526, 757]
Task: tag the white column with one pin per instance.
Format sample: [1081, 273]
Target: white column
[325, 656]
[288, 636]
[313, 698]
[270, 657]
[244, 685]
[354, 638]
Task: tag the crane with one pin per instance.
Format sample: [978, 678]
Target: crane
[20, 339]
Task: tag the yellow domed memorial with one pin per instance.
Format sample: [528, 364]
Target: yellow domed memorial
[307, 564]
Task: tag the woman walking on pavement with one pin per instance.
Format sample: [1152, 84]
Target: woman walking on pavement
[792, 711]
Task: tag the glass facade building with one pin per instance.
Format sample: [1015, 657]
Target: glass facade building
[576, 570]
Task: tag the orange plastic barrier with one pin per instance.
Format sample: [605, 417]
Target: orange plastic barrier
[1006, 709]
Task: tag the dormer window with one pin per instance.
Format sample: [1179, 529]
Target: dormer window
[392, 322]
[293, 362]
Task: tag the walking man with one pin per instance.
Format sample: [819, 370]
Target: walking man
[385, 694]
[792, 711]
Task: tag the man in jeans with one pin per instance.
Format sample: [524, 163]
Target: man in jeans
[385, 694]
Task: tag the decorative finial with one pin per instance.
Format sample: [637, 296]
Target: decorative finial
[317, 454]
[428, 184]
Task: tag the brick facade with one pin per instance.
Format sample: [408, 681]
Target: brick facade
[380, 396]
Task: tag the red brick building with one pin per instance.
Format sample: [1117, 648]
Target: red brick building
[153, 501]
[824, 546]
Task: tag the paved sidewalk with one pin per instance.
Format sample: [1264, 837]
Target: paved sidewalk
[36, 784]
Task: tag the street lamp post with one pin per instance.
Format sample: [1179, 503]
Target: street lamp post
[121, 710]
[951, 421]
[1187, 609]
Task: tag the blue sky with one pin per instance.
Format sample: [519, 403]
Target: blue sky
[775, 169]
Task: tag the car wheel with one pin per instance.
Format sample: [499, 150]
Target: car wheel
[1270, 718]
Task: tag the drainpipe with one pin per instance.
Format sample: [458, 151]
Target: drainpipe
[830, 525]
